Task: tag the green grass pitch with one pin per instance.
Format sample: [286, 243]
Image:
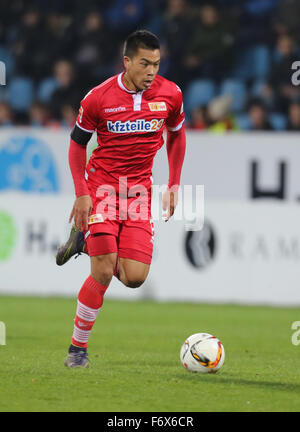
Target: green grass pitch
[134, 350]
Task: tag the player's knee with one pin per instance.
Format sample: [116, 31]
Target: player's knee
[134, 283]
[102, 270]
[102, 276]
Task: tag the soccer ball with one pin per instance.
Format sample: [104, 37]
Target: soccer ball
[202, 353]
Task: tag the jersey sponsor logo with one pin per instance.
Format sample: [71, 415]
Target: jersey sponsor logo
[118, 109]
[140, 125]
[157, 106]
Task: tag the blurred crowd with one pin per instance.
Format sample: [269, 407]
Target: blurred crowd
[232, 58]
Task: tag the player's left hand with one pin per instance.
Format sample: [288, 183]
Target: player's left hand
[169, 203]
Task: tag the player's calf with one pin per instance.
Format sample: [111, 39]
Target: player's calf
[89, 303]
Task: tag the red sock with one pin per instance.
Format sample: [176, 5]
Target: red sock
[90, 300]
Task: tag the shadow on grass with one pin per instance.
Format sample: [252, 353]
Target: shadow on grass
[232, 380]
[161, 370]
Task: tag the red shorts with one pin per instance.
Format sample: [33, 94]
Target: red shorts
[121, 219]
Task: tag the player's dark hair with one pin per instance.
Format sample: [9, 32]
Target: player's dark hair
[140, 39]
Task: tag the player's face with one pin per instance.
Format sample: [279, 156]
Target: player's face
[142, 68]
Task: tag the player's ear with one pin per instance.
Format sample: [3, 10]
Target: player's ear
[126, 61]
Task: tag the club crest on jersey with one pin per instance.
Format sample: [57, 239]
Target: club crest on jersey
[140, 125]
[157, 106]
[95, 218]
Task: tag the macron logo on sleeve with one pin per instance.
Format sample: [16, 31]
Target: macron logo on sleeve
[140, 125]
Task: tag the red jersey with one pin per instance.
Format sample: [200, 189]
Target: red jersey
[129, 126]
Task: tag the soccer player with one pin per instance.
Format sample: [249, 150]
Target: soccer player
[112, 209]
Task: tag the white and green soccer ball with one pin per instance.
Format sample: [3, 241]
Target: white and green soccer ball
[202, 352]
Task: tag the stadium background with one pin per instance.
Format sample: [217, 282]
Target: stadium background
[224, 47]
[233, 60]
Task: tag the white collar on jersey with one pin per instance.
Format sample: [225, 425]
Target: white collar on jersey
[120, 82]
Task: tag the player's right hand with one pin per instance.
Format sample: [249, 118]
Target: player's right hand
[81, 211]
